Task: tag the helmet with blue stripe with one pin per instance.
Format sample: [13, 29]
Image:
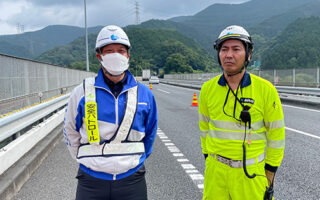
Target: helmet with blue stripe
[236, 33]
[111, 35]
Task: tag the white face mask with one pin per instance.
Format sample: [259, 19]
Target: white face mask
[115, 63]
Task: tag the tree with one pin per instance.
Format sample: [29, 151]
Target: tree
[177, 63]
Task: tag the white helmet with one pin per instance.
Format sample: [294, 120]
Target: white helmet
[111, 35]
[234, 32]
[237, 33]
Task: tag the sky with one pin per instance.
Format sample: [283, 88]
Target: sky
[18, 16]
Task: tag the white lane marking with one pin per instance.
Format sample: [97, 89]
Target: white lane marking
[192, 171]
[301, 108]
[182, 160]
[301, 132]
[200, 186]
[163, 91]
[196, 176]
[189, 168]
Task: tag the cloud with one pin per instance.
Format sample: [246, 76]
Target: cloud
[36, 14]
[8, 10]
[59, 2]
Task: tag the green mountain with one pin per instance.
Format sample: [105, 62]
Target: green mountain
[151, 48]
[37, 42]
[276, 24]
[263, 19]
[296, 47]
[14, 50]
[186, 30]
[217, 16]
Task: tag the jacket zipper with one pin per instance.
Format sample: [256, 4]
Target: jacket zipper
[116, 101]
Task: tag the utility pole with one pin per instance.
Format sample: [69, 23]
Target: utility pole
[137, 22]
[85, 24]
[137, 13]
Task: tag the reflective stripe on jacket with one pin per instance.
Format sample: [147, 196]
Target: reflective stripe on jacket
[223, 135]
[110, 113]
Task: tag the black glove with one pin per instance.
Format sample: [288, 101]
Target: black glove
[205, 156]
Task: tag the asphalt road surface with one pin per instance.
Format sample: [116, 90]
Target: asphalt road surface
[176, 167]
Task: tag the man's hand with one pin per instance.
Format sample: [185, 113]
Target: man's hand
[270, 176]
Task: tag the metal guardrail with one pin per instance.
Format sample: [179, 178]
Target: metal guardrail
[281, 89]
[299, 90]
[36, 94]
[13, 124]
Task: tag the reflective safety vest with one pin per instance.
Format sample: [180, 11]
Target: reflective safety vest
[117, 145]
[219, 114]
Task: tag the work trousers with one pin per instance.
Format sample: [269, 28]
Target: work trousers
[222, 182]
[132, 187]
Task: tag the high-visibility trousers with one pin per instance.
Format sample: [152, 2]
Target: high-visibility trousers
[221, 182]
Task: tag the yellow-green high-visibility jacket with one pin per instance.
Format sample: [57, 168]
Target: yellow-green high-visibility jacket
[223, 135]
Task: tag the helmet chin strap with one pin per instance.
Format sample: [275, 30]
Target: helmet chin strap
[241, 70]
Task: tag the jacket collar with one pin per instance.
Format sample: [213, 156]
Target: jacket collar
[131, 82]
[245, 82]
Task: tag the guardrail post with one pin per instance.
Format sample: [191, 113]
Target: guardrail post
[293, 77]
[15, 136]
[259, 73]
[318, 77]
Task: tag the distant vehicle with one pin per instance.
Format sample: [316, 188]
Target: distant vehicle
[145, 74]
[154, 80]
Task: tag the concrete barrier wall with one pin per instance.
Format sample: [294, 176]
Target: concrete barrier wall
[21, 81]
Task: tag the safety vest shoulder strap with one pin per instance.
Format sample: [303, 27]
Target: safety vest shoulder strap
[91, 112]
[115, 147]
[89, 89]
[91, 116]
[130, 112]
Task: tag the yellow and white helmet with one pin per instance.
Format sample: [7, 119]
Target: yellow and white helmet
[237, 33]
[111, 35]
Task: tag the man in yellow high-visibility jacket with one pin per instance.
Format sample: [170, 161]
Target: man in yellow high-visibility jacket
[241, 123]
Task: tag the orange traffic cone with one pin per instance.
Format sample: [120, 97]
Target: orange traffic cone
[194, 100]
[150, 86]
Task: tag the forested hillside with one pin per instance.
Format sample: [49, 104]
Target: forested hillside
[32, 44]
[184, 44]
[276, 24]
[154, 49]
[296, 47]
